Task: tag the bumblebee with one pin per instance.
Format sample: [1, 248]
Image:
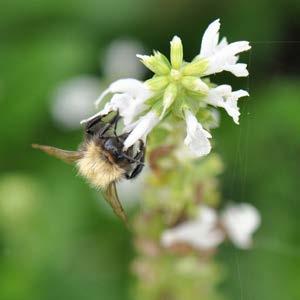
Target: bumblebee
[101, 158]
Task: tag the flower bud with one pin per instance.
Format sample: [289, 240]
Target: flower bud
[157, 63]
[176, 52]
[169, 97]
[195, 84]
[196, 68]
[157, 83]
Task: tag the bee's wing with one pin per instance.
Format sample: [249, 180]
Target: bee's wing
[111, 196]
[65, 155]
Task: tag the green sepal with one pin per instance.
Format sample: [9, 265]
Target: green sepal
[155, 98]
[177, 107]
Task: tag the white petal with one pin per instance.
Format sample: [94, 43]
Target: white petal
[239, 94]
[118, 102]
[239, 70]
[101, 97]
[133, 87]
[225, 56]
[201, 233]
[142, 127]
[232, 109]
[210, 39]
[222, 96]
[223, 43]
[240, 222]
[230, 105]
[197, 138]
[222, 90]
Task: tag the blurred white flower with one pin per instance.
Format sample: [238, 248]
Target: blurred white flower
[73, 100]
[222, 96]
[197, 138]
[240, 222]
[120, 59]
[201, 233]
[222, 56]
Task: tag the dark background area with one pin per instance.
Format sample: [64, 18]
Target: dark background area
[57, 241]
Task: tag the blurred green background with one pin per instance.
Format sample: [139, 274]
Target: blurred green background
[57, 241]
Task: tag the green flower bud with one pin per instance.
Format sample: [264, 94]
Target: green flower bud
[157, 63]
[176, 53]
[196, 68]
[169, 97]
[195, 84]
[157, 83]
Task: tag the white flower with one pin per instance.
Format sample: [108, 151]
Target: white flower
[120, 59]
[201, 233]
[204, 232]
[197, 138]
[240, 222]
[222, 96]
[141, 128]
[73, 100]
[222, 56]
[129, 98]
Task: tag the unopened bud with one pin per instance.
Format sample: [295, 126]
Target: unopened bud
[176, 52]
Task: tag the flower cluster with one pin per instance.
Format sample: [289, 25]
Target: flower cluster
[208, 230]
[180, 88]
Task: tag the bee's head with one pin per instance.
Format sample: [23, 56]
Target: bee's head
[114, 146]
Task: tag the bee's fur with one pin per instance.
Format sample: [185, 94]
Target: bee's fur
[98, 166]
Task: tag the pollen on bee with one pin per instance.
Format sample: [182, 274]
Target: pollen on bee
[94, 166]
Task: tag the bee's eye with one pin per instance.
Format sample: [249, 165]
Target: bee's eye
[119, 155]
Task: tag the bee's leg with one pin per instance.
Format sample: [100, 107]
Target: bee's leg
[113, 122]
[136, 171]
[91, 123]
[103, 130]
[122, 137]
[140, 158]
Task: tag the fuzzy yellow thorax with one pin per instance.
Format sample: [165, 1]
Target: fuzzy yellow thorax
[95, 166]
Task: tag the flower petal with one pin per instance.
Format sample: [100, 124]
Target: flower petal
[197, 138]
[141, 128]
[238, 70]
[222, 96]
[133, 87]
[128, 107]
[201, 233]
[225, 56]
[210, 39]
[240, 222]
